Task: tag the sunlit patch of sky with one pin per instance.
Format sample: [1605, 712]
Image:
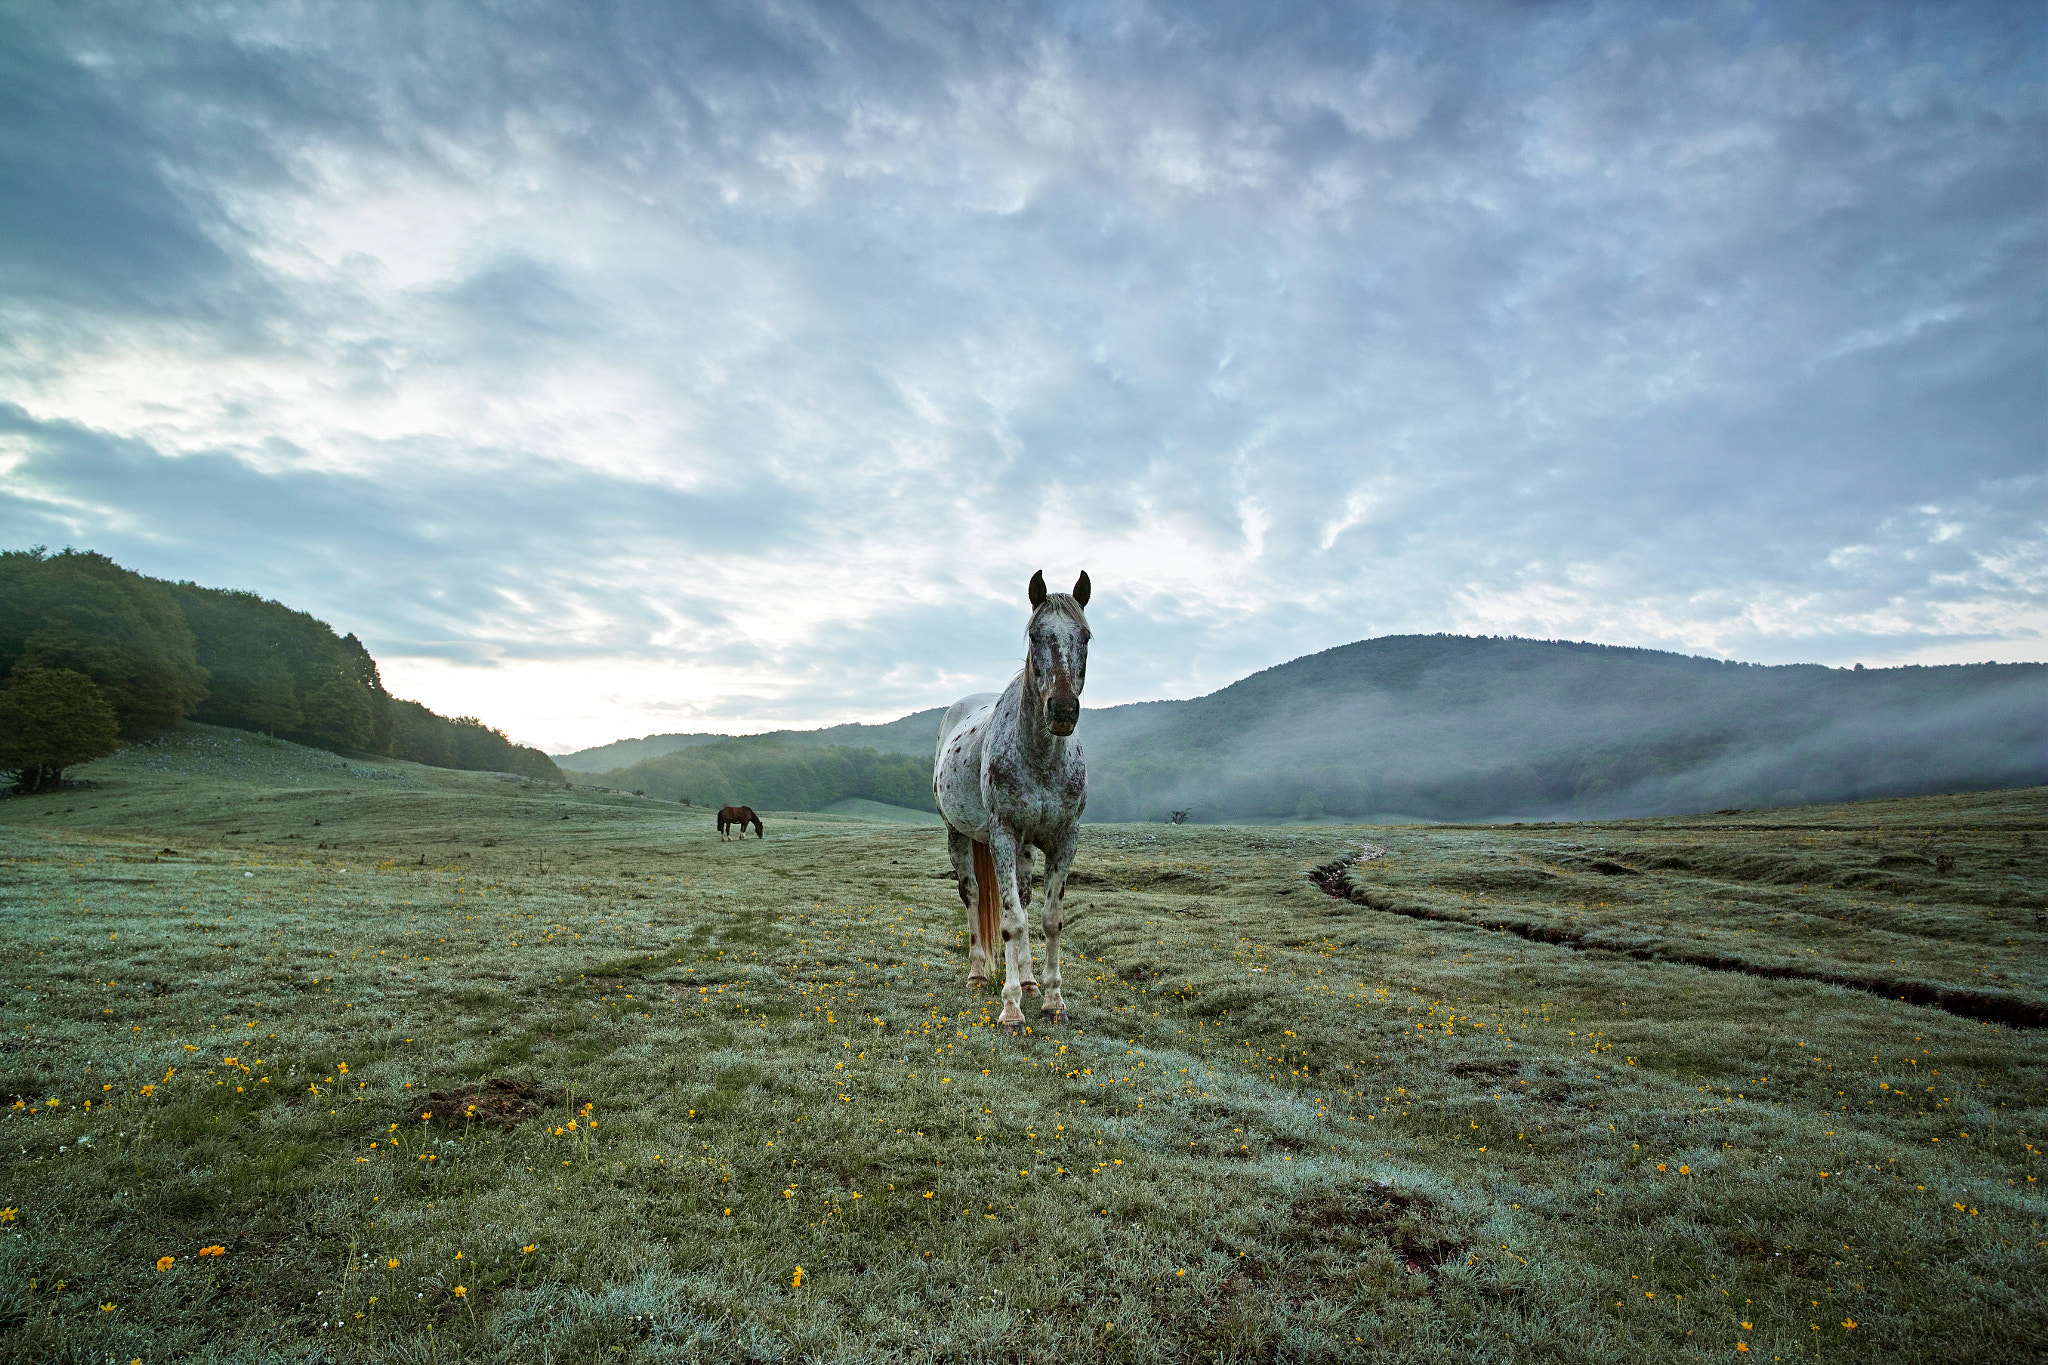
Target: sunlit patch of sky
[623, 368]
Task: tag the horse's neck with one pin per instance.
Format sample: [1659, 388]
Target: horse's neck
[1041, 748]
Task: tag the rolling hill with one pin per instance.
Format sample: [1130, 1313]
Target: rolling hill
[160, 652]
[917, 733]
[1447, 727]
[769, 773]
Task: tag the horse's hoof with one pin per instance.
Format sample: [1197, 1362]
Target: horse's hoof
[1014, 1030]
[1030, 987]
[1054, 1016]
[975, 983]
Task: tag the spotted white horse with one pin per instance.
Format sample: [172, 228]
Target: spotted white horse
[1008, 781]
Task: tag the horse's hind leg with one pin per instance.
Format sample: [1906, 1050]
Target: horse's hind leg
[1054, 917]
[960, 849]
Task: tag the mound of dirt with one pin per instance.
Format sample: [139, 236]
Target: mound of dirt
[498, 1102]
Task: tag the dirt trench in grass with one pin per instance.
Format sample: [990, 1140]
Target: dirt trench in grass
[1944, 873]
[1334, 878]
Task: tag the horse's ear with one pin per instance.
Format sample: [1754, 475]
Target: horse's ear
[1037, 589]
[1081, 588]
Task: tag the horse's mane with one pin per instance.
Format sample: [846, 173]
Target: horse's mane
[1059, 604]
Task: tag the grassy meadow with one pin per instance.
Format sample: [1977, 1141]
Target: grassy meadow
[1760, 1086]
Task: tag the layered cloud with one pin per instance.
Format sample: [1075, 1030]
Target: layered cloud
[636, 367]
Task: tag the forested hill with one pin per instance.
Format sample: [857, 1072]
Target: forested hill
[161, 652]
[770, 773]
[1454, 727]
[914, 734]
[623, 753]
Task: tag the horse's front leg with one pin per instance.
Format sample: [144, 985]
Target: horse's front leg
[1016, 933]
[1057, 862]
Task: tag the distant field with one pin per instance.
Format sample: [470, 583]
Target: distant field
[1627, 1092]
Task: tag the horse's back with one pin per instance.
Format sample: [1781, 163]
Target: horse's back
[961, 711]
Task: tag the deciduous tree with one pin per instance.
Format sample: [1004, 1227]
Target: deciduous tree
[50, 720]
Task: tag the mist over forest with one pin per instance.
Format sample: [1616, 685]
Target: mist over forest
[1446, 727]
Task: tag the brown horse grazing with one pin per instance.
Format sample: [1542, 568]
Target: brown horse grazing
[740, 816]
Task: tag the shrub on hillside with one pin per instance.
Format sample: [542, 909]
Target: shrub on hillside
[50, 720]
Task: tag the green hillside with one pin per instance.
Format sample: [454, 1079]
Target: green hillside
[915, 734]
[1448, 727]
[623, 753]
[1455, 728]
[770, 773]
[161, 652]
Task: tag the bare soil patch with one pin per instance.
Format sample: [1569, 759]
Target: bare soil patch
[498, 1102]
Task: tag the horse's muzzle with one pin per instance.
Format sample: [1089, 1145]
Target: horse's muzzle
[1062, 714]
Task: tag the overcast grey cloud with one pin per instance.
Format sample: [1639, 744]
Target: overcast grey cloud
[618, 368]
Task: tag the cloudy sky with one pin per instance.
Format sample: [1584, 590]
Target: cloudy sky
[619, 368]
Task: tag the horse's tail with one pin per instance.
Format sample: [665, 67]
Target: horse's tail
[988, 909]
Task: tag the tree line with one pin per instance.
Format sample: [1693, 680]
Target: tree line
[92, 654]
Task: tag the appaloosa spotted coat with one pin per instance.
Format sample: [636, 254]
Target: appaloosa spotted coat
[1006, 776]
